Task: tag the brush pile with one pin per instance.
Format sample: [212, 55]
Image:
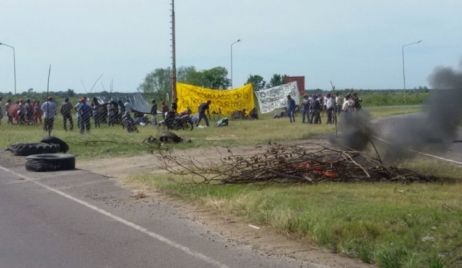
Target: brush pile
[282, 163]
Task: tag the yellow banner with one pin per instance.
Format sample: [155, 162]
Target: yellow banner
[224, 102]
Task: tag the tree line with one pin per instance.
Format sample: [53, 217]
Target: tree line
[158, 83]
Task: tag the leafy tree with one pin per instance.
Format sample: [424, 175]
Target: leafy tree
[276, 80]
[157, 82]
[257, 81]
[189, 75]
[215, 78]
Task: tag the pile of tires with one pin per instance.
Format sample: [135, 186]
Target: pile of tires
[25, 149]
[50, 162]
[63, 147]
[47, 155]
[45, 146]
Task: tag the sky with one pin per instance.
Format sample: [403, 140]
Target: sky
[353, 43]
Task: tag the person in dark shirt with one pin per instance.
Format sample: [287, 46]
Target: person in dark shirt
[85, 115]
[203, 109]
[306, 109]
[164, 109]
[317, 106]
[97, 116]
[291, 108]
[66, 111]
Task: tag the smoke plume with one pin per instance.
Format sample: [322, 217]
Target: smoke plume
[433, 130]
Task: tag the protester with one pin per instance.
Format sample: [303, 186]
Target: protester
[66, 112]
[127, 107]
[330, 108]
[348, 104]
[21, 113]
[8, 112]
[316, 110]
[85, 115]
[37, 112]
[203, 108]
[29, 113]
[49, 111]
[291, 109]
[338, 102]
[164, 109]
[121, 107]
[111, 114]
[305, 109]
[154, 112]
[95, 107]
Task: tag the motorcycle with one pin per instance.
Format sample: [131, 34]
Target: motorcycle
[177, 122]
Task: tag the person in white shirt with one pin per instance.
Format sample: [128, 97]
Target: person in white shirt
[330, 105]
[348, 104]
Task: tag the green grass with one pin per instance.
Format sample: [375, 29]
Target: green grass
[392, 225]
[399, 97]
[109, 142]
[384, 111]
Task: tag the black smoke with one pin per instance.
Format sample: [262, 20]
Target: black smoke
[433, 130]
[356, 130]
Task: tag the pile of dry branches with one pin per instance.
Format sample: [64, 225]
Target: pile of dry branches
[282, 163]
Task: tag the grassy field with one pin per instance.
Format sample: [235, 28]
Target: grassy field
[398, 97]
[391, 225]
[108, 142]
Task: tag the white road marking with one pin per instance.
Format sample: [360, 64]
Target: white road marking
[424, 154]
[439, 157]
[130, 224]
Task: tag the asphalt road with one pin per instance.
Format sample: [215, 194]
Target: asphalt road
[80, 219]
[386, 127]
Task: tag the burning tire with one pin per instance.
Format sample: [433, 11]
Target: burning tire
[50, 162]
[25, 149]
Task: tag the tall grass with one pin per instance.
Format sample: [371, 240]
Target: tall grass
[391, 225]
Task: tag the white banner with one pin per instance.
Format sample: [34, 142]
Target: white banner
[273, 98]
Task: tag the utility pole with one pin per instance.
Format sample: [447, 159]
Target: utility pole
[402, 55]
[14, 63]
[47, 119]
[173, 52]
[231, 69]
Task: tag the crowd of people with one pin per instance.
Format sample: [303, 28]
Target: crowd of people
[27, 112]
[32, 112]
[312, 106]
[24, 113]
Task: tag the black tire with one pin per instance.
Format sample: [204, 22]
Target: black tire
[62, 144]
[170, 137]
[25, 149]
[50, 162]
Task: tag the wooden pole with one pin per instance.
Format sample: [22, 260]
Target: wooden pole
[48, 104]
[174, 78]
